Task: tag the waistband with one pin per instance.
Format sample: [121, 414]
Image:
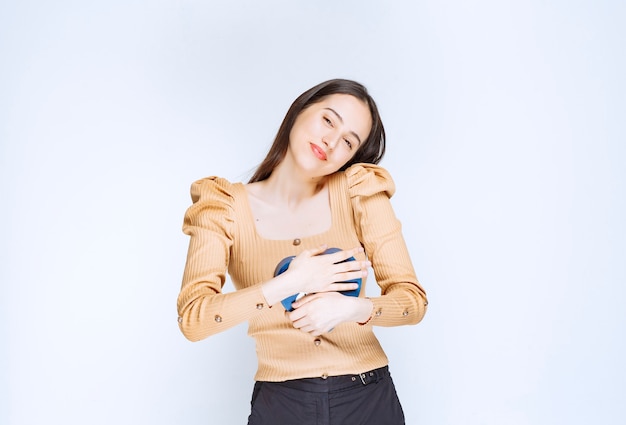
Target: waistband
[335, 383]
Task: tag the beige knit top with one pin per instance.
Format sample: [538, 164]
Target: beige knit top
[224, 238]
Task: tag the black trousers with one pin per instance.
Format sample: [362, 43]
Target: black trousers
[366, 399]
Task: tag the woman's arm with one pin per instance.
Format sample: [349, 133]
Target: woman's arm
[403, 300]
[203, 309]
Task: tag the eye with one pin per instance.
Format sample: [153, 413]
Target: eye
[348, 143]
[328, 121]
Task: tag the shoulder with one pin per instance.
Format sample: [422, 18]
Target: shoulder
[214, 189]
[369, 179]
[213, 203]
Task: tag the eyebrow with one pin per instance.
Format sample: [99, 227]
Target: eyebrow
[341, 119]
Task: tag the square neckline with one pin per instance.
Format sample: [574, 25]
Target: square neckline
[333, 188]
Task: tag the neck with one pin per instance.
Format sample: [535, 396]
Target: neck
[291, 188]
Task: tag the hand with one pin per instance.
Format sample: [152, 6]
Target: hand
[314, 273]
[320, 313]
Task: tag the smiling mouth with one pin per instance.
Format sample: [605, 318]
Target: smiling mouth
[318, 152]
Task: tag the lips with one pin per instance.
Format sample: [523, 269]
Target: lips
[318, 152]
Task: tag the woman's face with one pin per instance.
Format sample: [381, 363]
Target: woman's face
[327, 134]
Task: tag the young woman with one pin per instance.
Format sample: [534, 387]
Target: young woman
[318, 187]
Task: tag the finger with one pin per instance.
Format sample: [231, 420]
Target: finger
[308, 328]
[317, 250]
[339, 256]
[350, 266]
[305, 327]
[339, 287]
[305, 300]
[347, 276]
[347, 286]
[295, 315]
[312, 252]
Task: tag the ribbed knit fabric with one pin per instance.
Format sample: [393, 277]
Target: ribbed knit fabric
[224, 238]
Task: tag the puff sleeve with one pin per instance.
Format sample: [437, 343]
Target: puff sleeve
[203, 309]
[403, 300]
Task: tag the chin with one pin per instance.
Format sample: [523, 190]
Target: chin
[317, 169]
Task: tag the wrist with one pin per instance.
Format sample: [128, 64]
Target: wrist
[275, 290]
[366, 312]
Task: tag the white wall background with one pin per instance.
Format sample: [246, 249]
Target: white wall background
[506, 140]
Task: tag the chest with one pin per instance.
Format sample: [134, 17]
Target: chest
[265, 234]
[306, 219]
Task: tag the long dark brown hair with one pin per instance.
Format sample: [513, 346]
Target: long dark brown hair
[371, 151]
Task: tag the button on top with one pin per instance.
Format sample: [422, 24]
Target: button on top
[180, 319]
[317, 341]
[378, 313]
[324, 376]
[259, 306]
[218, 318]
[405, 313]
[297, 241]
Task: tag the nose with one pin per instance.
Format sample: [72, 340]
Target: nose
[330, 141]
